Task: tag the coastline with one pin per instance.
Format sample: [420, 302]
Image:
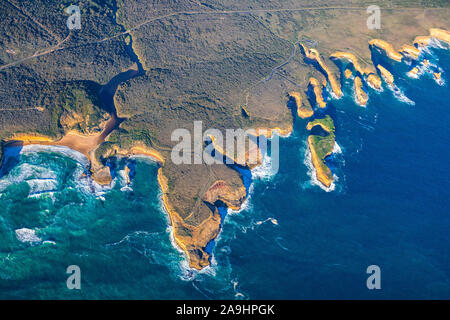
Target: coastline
[86, 144]
[176, 221]
[312, 173]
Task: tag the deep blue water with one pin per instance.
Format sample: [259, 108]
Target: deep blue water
[293, 240]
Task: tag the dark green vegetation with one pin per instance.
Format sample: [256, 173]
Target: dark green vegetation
[78, 107]
[41, 62]
[323, 139]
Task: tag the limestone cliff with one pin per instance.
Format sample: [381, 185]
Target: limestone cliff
[221, 191]
[304, 110]
[374, 81]
[317, 90]
[193, 239]
[410, 51]
[440, 34]
[387, 48]
[360, 94]
[370, 76]
[387, 76]
[102, 176]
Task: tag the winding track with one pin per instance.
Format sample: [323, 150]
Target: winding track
[162, 17]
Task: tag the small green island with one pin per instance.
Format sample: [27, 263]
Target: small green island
[321, 147]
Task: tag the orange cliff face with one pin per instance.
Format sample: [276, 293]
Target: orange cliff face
[361, 96]
[410, 51]
[314, 55]
[387, 48]
[303, 111]
[269, 132]
[387, 76]
[323, 173]
[440, 34]
[192, 240]
[317, 89]
[102, 176]
[371, 77]
[138, 149]
[249, 158]
[374, 81]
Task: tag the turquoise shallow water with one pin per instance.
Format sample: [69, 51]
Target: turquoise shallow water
[390, 207]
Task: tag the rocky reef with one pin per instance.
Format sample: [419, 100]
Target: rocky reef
[387, 48]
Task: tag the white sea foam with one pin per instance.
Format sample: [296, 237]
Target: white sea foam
[27, 236]
[65, 151]
[187, 273]
[40, 186]
[39, 178]
[237, 293]
[122, 180]
[440, 82]
[122, 174]
[377, 90]
[414, 75]
[84, 183]
[401, 96]
[25, 171]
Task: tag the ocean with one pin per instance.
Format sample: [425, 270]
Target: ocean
[292, 240]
